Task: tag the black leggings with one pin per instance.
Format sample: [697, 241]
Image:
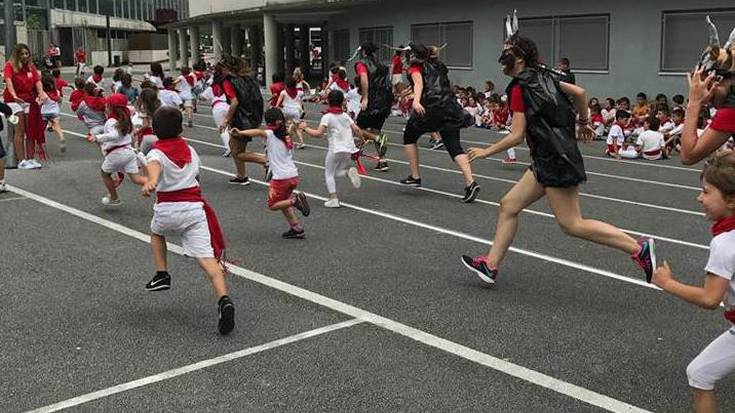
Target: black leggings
[450, 137]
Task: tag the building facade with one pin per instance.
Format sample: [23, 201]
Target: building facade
[615, 49]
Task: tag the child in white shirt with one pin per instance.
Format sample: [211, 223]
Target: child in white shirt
[717, 360]
[185, 83]
[290, 100]
[616, 136]
[651, 142]
[169, 96]
[182, 211]
[279, 148]
[340, 129]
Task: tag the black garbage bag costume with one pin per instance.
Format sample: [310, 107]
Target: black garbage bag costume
[443, 112]
[380, 94]
[249, 114]
[550, 128]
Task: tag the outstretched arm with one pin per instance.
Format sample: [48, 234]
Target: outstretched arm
[514, 138]
[250, 133]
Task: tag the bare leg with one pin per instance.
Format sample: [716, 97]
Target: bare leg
[524, 193]
[19, 138]
[56, 126]
[158, 246]
[2, 169]
[189, 116]
[237, 146]
[290, 215]
[705, 401]
[463, 163]
[253, 157]
[216, 275]
[412, 152]
[565, 204]
[109, 184]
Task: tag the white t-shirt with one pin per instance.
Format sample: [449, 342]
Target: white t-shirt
[608, 115]
[169, 98]
[722, 263]
[292, 104]
[339, 132]
[280, 158]
[173, 178]
[353, 101]
[184, 88]
[156, 80]
[111, 136]
[616, 135]
[650, 141]
[667, 127]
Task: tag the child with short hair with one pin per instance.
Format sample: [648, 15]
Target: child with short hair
[7, 111]
[97, 78]
[616, 136]
[650, 142]
[608, 112]
[127, 88]
[641, 108]
[662, 113]
[180, 209]
[168, 95]
[673, 137]
[116, 80]
[145, 107]
[717, 360]
[279, 148]
[77, 96]
[340, 129]
[91, 109]
[50, 109]
[59, 82]
[597, 121]
[115, 142]
[185, 83]
[678, 102]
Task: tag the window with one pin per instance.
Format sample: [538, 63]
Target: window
[341, 45]
[569, 37]
[84, 6]
[684, 37]
[379, 36]
[457, 36]
[107, 7]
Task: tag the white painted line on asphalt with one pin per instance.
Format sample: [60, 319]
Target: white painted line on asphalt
[15, 198]
[523, 373]
[169, 374]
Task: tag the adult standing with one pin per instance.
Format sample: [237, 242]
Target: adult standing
[80, 59]
[435, 108]
[376, 99]
[396, 67]
[23, 93]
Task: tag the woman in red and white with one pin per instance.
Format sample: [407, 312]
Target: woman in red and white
[22, 87]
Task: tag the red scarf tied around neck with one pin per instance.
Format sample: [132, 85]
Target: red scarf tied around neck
[177, 151]
[292, 92]
[342, 83]
[96, 78]
[286, 140]
[337, 110]
[723, 225]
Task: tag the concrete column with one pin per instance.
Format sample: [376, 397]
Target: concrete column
[171, 49]
[272, 54]
[217, 40]
[183, 52]
[326, 50]
[194, 39]
[227, 41]
[304, 50]
[288, 40]
[236, 40]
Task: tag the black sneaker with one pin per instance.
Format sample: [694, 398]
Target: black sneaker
[646, 257]
[226, 315]
[268, 173]
[190, 124]
[411, 181]
[382, 166]
[302, 204]
[471, 192]
[479, 266]
[162, 281]
[293, 234]
[437, 145]
[240, 181]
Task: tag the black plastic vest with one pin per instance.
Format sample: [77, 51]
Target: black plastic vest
[380, 90]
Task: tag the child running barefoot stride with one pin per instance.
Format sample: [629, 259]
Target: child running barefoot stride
[181, 210]
[340, 128]
[556, 168]
[717, 360]
[281, 196]
[116, 143]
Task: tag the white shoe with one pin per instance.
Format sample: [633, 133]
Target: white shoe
[354, 177]
[34, 164]
[107, 201]
[332, 203]
[23, 165]
[3, 187]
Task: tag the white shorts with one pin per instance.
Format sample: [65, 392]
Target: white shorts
[291, 114]
[715, 362]
[146, 144]
[19, 107]
[219, 111]
[187, 103]
[396, 79]
[185, 219]
[120, 160]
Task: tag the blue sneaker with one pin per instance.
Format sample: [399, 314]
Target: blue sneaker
[479, 266]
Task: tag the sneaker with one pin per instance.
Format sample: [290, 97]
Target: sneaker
[509, 160]
[354, 177]
[300, 146]
[382, 166]
[479, 266]
[35, 164]
[3, 187]
[161, 281]
[226, 153]
[62, 146]
[226, 313]
[646, 257]
[381, 141]
[240, 181]
[293, 234]
[411, 181]
[332, 203]
[302, 204]
[107, 201]
[471, 192]
[437, 145]
[24, 165]
[190, 124]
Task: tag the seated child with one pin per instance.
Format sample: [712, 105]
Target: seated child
[650, 142]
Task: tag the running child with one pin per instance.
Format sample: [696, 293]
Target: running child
[156, 75]
[185, 83]
[279, 148]
[291, 102]
[557, 167]
[91, 109]
[717, 360]
[7, 111]
[340, 129]
[168, 95]
[216, 97]
[51, 109]
[97, 77]
[127, 88]
[116, 143]
[60, 83]
[180, 210]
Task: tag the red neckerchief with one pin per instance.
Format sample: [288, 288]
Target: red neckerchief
[95, 102]
[76, 98]
[337, 110]
[292, 92]
[725, 224]
[664, 120]
[286, 141]
[96, 78]
[342, 83]
[175, 149]
[190, 80]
